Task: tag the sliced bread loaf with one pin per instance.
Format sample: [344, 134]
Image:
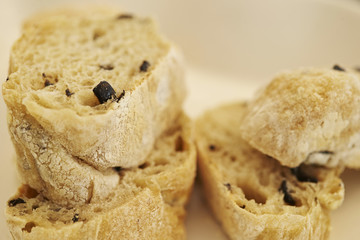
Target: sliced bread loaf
[308, 115]
[147, 203]
[251, 194]
[103, 84]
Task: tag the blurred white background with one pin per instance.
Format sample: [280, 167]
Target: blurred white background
[232, 47]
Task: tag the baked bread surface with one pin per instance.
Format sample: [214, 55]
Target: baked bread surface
[63, 55]
[254, 197]
[147, 203]
[307, 115]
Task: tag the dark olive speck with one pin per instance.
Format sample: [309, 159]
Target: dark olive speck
[144, 66]
[228, 186]
[104, 91]
[338, 68]
[118, 169]
[325, 152]
[287, 196]
[212, 147]
[47, 83]
[121, 96]
[16, 201]
[75, 218]
[68, 93]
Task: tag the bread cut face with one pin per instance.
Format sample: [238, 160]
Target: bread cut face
[251, 194]
[307, 115]
[63, 55]
[147, 203]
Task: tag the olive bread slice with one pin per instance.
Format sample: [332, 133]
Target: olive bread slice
[251, 194]
[147, 203]
[102, 83]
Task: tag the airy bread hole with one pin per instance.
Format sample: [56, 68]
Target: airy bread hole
[27, 191]
[144, 165]
[87, 98]
[161, 162]
[264, 178]
[87, 82]
[28, 227]
[98, 209]
[251, 193]
[98, 33]
[179, 144]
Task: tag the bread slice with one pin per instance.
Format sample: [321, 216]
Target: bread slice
[147, 203]
[307, 115]
[252, 195]
[101, 83]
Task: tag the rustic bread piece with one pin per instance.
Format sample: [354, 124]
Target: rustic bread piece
[148, 202]
[307, 115]
[60, 59]
[251, 194]
[50, 170]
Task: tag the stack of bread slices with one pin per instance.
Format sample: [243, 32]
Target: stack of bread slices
[103, 148]
[270, 166]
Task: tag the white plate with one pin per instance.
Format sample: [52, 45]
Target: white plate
[232, 47]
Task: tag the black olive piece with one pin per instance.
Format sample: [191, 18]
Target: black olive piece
[117, 169]
[7, 79]
[228, 186]
[48, 83]
[212, 147]
[144, 66]
[287, 196]
[16, 201]
[125, 16]
[121, 96]
[302, 176]
[104, 91]
[75, 218]
[68, 93]
[325, 152]
[338, 68]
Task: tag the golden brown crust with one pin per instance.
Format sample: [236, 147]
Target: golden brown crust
[245, 190]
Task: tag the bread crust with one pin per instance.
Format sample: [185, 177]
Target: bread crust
[243, 187]
[306, 115]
